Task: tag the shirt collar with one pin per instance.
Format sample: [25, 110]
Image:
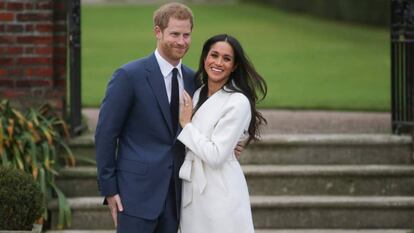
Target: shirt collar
[165, 66]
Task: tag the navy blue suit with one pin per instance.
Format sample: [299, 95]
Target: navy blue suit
[136, 149]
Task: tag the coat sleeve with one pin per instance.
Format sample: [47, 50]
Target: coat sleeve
[217, 149]
[112, 117]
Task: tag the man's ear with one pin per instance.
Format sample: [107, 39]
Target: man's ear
[158, 32]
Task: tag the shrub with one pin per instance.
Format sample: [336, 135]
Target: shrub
[31, 142]
[21, 200]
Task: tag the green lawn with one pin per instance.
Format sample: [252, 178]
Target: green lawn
[308, 63]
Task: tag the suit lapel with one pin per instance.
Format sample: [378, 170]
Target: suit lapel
[156, 81]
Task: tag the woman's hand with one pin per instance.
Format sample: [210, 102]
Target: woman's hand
[186, 109]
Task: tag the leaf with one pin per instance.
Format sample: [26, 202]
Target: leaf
[65, 215]
[42, 183]
[1, 139]
[18, 157]
[70, 156]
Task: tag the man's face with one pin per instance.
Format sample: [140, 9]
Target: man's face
[174, 41]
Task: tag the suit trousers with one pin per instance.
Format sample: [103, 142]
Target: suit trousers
[167, 222]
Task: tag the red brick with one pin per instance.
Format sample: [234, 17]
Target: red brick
[6, 61]
[59, 28]
[44, 28]
[44, 50]
[14, 50]
[29, 28]
[7, 39]
[40, 72]
[60, 70]
[14, 28]
[61, 83]
[60, 16]
[60, 39]
[35, 39]
[24, 17]
[34, 61]
[29, 6]
[2, 72]
[9, 93]
[15, 72]
[2, 5]
[44, 5]
[8, 83]
[2, 27]
[29, 50]
[6, 16]
[59, 52]
[60, 6]
[15, 6]
[33, 83]
[59, 60]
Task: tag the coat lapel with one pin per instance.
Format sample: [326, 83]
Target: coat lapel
[189, 84]
[210, 107]
[156, 81]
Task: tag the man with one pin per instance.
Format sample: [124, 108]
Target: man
[138, 157]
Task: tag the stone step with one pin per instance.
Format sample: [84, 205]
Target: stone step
[330, 149]
[282, 212]
[268, 231]
[356, 180]
[308, 149]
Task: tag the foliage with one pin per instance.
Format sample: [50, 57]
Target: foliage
[308, 63]
[21, 200]
[373, 12]
[31, 143]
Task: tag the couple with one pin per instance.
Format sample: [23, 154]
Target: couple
[162, 166]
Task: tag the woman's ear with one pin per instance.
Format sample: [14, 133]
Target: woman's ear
[235, 67]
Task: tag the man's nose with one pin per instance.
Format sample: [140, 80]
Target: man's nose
[181, 40]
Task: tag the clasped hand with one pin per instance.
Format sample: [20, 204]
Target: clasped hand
[186, 109]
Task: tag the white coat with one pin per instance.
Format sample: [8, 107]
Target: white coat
[215, 197]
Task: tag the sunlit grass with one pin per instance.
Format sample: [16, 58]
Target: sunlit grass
[308, 63]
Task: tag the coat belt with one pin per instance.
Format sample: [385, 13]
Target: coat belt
[192, 163]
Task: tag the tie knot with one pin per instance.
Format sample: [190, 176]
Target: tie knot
[174, 71]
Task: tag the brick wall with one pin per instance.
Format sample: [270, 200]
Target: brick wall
[33, 52]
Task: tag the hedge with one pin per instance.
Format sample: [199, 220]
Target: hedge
[372, 12]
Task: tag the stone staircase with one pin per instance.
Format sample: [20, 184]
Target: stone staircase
[298, 184]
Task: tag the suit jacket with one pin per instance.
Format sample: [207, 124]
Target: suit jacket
[136, 148]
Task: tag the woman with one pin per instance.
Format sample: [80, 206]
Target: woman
[215, 198]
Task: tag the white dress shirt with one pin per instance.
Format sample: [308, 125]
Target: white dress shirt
[166, 70]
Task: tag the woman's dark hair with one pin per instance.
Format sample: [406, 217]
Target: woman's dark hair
[243, 79]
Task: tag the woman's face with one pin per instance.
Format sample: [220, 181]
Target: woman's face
[219, 62]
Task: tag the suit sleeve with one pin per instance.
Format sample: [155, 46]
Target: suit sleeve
[216, 150]
[112, 116]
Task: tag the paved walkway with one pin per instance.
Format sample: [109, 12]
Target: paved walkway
[308, 122]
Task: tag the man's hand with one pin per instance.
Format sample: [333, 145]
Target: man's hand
[238, 150]
[115, 205]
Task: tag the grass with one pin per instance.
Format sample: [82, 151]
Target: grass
[308, 63]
